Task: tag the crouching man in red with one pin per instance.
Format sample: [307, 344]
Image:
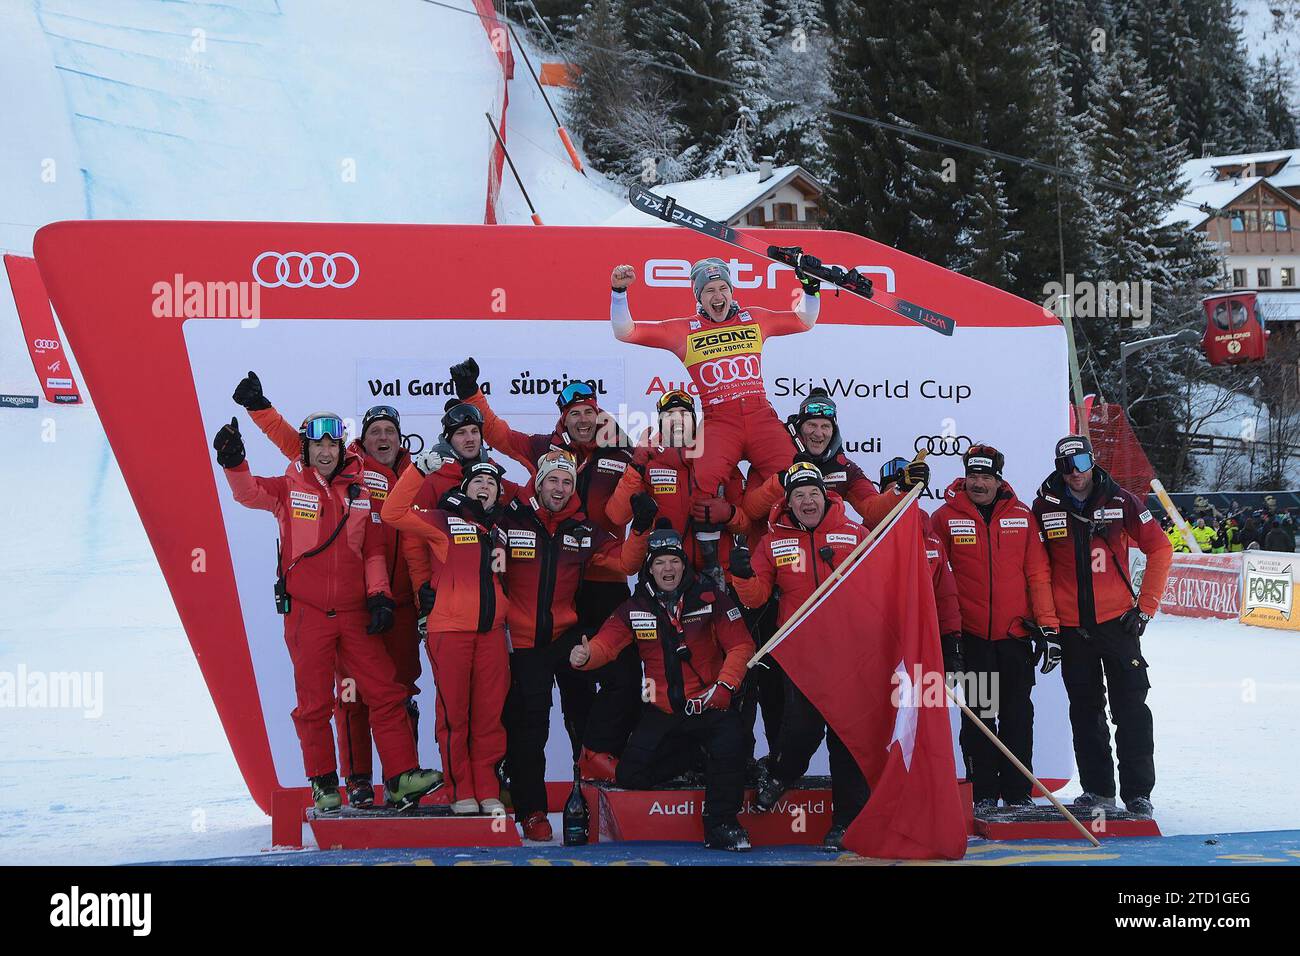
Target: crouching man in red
[336, 597]
[694, 645]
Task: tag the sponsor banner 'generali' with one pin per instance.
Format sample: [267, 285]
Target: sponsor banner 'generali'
[1204, 585]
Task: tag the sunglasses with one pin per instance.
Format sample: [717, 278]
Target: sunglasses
[1069, 464]
[572, 392]
[324, 426]
[818, 410]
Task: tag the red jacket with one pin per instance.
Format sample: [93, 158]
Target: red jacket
[670, 478]
[599, 469]
[1000, 563]
[707, 621]
[470, 597]
[546, 555]
[789, 558]
[416, 550]
[308, 508]
[378, 478]
[1088, 550]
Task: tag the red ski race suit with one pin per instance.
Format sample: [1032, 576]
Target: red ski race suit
[351, 714]
[466, 636]
[725, 362]
[325, 629]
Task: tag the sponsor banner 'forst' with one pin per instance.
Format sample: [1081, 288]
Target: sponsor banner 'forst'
[1268, 590]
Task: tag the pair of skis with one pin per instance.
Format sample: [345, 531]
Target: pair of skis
[851, 281]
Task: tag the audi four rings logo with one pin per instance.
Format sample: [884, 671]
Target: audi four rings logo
[45, 344]
[293, 270]
[942, 444]
[725, 371]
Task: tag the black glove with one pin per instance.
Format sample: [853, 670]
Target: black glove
[644, 509]
[917, 472]
[953, 662]
[1047, 645]
[741, 564]
[465, 377]
[229, 445]
[248, 393]
[381, 609]
[811, 284]
[1134, 622]
[426, 597]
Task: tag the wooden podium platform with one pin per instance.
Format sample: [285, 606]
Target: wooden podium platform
[1046, 823]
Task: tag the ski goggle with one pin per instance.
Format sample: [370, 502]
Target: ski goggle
[376, 412]
[460, 415]
[675, 399]
[893, 470]
[573, 392]
[801, 471]
[1069, 464]
[818, 410]
[323, 426]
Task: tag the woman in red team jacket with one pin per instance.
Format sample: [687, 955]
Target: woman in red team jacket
[338, 595]
[466, 633]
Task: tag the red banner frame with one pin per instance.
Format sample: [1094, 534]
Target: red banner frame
[100, 276]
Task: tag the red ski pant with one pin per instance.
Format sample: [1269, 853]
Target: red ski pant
[321, 645]
[472, 674]
[352, 715]
[741, 429]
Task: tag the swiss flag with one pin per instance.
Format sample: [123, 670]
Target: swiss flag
[866, 653]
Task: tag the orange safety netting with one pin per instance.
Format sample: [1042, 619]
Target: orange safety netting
[1118, 450]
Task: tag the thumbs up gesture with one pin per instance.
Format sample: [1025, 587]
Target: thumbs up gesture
[580, 654]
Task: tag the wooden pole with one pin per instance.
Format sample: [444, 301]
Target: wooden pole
[834, 576]
[970, 714]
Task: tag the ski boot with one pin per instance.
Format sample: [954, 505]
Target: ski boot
[1140, 807]
[596, 766]
[405, 791]
[1025, 801]
[768, 789]
[537, 828]
[728, 835]
[325, 792]
[1091, 801]
[986, 805]
[361, 791]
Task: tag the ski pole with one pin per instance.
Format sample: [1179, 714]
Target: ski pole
[537, 220]
[559, 127]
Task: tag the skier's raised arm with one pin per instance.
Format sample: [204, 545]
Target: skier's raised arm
[658, 335]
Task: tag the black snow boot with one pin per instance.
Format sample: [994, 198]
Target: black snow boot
[768, 789]
[728, 835]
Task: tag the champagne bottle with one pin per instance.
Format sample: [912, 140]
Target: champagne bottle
[576, 818]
